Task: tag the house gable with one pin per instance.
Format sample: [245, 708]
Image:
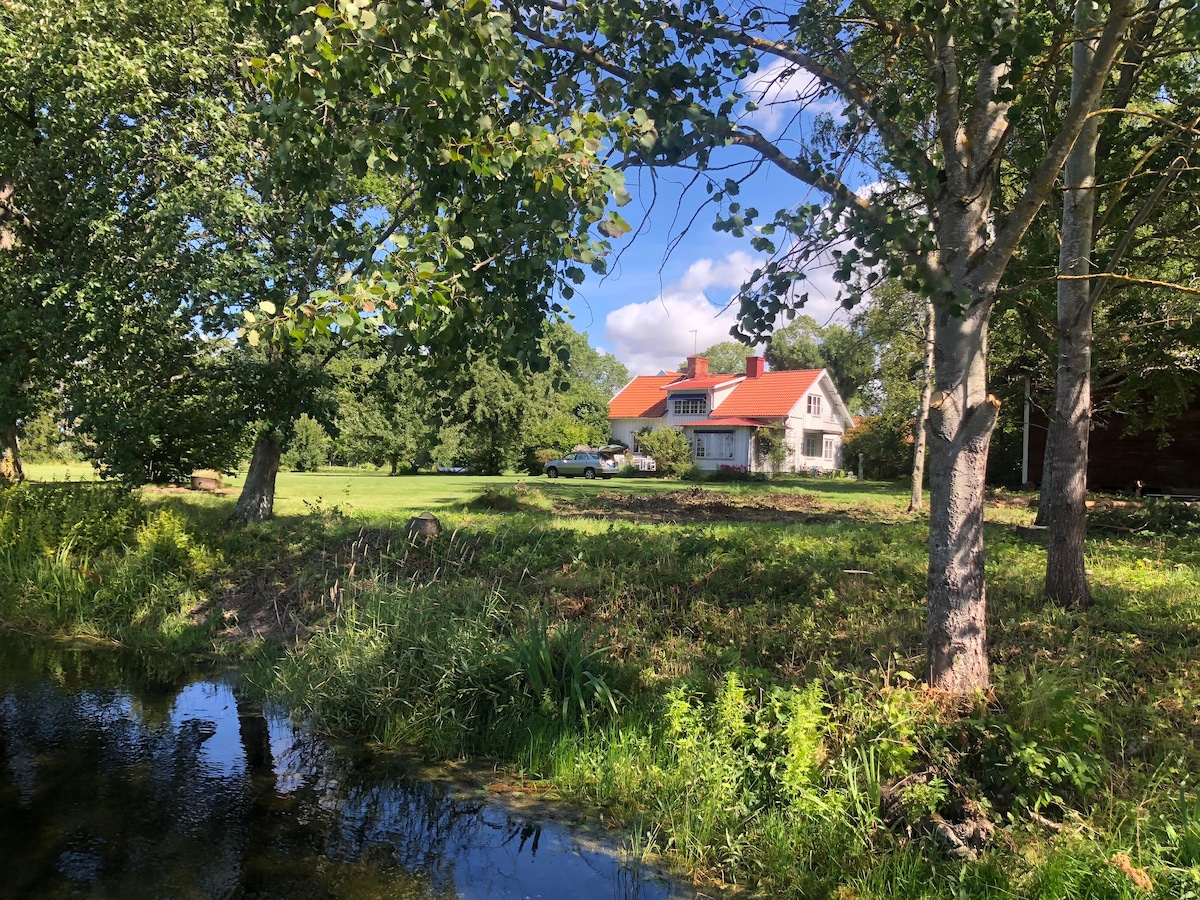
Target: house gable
[642, 398]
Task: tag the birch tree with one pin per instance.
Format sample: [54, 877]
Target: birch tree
[928, 97]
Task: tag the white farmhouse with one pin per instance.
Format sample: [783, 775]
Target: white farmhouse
[735, 420]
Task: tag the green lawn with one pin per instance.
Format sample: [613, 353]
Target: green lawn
[372, 493]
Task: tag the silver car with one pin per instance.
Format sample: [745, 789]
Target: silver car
[588, 463]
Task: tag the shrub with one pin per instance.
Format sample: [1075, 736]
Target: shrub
[558, 672]
[44, 518]
[534, 460]
[885, 444]
[309, 446]
[733, 473]
[47, 440]
[770, 446]
[670, 448]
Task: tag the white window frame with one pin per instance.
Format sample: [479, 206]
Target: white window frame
[695, 407]
[814, 404]
[812, 446]
[714, 445]
[830, 448]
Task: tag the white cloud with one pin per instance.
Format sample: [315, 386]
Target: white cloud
[781, 89]
[657, 334]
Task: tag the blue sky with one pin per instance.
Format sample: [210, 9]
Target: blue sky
[664, 284]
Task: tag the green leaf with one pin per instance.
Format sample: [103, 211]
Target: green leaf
[267, 306]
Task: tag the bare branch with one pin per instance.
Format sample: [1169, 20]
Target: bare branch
[1130, 279]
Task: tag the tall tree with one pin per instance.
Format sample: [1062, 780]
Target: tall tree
[796, 346]
[497, 207]
[898, 326]
[931, 97]
[1150, 76]
[108, 111]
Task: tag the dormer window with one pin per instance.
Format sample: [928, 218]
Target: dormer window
[814, 405]
[690, 406]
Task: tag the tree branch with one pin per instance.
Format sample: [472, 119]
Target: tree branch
[1039, 187]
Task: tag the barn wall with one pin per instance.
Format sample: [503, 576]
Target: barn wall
[1116, 462]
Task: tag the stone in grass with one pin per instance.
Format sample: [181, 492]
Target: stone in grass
[426, 524]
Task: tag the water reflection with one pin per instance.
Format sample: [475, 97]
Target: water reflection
[120, 781]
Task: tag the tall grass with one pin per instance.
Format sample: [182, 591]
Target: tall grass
[88, 559]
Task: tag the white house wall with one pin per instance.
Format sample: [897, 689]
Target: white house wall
[623, 430]
[826, 425]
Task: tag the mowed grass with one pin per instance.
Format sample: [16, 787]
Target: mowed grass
[373, 493]
[733, 672]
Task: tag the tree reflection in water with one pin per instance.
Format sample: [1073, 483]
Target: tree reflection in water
[119, 780]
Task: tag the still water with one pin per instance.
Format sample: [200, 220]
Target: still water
[117, 781]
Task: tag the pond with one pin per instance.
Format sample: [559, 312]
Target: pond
[119, 781]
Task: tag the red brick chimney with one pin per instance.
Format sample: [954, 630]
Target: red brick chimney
[697, 366]
[755, 366]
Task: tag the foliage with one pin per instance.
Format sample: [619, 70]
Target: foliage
[490, 406]
[770, 446]
[89, 559]
[796, 346]
[568, 403]
[726, 472]
[45, 438]
[1046, 751]
[670, 448]
[885, 444]
[43, 519]
[384, 409]
[535, 460]
[308, 448]
[508, 192]
[104, 245]
[847, 353]
[155, 405]
[557, 672]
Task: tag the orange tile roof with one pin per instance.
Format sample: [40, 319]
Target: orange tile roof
[642, 398]
[770, 394]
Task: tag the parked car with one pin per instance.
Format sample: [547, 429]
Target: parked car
[588, 463]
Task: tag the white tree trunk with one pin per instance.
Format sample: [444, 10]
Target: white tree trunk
[1067, 445]
[961, 419]
[916, 499]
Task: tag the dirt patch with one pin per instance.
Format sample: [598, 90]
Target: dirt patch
[284, 600]
[696, 504]
[183, 489]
